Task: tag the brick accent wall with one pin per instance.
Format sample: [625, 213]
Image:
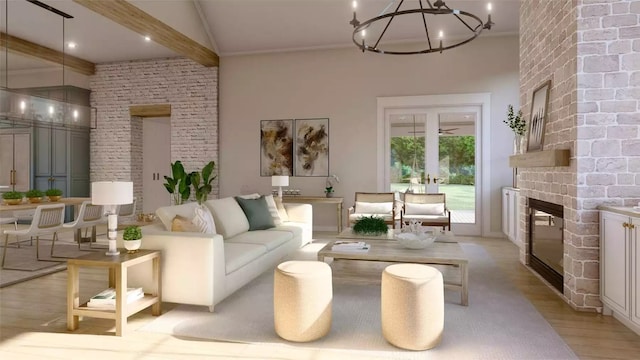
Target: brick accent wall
[116, 144]
[586, 47]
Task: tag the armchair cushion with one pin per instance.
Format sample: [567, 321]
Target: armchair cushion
[373, 207]
[424, 209]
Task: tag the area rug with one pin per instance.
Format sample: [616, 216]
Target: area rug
[25, 258]
[499, 322]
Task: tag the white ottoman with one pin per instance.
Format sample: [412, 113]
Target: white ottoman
[302, 295]
[412, 305]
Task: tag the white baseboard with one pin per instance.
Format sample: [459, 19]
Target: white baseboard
[333, 228]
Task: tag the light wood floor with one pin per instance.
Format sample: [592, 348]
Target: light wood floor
[33, 324]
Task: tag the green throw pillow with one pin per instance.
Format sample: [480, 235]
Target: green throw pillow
[257, 212]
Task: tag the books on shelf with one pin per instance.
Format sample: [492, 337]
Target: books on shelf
[356, 246]
[107, 298]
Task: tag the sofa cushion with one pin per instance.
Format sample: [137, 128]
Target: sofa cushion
[270, 239]
[424, 209]
[257, 213]
[228, 217]
[284, 216]
[167, 213]
[294, 228]
[183, 224]
[373, 207]
[237, 255]
[203, 220]
[273, 209]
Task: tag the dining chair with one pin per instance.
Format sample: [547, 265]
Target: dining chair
[47, 219]
[89, 216]
[126, 209]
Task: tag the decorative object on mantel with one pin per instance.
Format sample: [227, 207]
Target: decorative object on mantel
[370, 225]
[12, 197]
[367, 35]
[519, 127]
[328, 189]
[538, 117]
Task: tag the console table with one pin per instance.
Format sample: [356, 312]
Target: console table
[318, 200]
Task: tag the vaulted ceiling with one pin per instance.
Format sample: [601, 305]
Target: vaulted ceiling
[223, 27]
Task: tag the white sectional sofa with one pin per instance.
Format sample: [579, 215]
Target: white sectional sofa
[203, 269]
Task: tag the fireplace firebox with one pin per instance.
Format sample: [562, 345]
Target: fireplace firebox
[546, 246]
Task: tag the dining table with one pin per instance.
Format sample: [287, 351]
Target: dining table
[26, 205]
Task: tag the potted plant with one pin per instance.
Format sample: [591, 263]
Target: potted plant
[328, 189]
[132, 238]
[207, 177]
[34, 195]
[53, 194]
[12, 197]
[179, 186]
[517, 124]
[370, 225]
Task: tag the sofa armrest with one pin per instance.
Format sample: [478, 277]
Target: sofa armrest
[180, 268]
[303, 214]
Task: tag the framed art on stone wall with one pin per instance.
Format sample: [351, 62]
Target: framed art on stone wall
[276, 147]
[312, 147]
[538, 117]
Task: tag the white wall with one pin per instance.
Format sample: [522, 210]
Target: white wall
[343, 84]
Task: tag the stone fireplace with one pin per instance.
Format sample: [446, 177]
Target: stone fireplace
[546, 245]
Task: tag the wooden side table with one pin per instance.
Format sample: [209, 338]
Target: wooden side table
[117, 266]
[318, 200]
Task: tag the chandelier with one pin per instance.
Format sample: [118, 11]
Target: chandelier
[426, 15]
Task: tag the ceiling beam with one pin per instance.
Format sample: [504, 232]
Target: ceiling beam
[25, 47]
[131, 17]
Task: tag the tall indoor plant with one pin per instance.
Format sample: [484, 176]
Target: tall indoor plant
[207, 176]
[179, 185]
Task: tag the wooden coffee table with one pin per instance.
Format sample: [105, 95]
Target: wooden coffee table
[438, 253]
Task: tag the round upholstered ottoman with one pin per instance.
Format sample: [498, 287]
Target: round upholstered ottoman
[412, 305]
[302, 296]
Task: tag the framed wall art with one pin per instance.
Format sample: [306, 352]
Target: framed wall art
[276, 147]
[538, 117]
[312, 147]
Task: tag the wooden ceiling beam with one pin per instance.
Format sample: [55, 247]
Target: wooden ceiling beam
[25, 47]
[133, 18]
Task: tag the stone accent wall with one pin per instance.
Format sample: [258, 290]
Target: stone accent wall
[588, 48]
[116, 144]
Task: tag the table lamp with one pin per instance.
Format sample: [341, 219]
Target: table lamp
[280, 181]
[110, 194]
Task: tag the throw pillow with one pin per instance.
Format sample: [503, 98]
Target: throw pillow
[228, 215]
[183, 224]
[424, 209]
[273, 209]
[250, 196]
[373, 207]
[204, 221]
[257, 213]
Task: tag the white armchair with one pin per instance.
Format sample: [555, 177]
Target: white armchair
[382, 205]
[430, 209]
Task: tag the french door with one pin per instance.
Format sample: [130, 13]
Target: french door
[434, 150]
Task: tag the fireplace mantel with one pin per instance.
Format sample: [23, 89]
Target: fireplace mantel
[544, 158]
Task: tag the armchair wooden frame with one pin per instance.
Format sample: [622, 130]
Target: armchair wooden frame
[434, 198]
[377, 197]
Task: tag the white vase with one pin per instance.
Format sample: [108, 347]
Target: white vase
[519, 144]
[132, 245]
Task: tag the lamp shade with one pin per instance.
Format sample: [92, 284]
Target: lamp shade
[279, 181]
[111, 192]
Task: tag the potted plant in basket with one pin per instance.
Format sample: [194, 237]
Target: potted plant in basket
[53, 194]
[370, 225]
[132, 237]
[34, 195]
[12, 197]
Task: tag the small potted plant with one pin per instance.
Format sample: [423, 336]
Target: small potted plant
[34, 195]
[12, 197]
[53, 194]
[370, 225]
[328, 189]
[132, 238]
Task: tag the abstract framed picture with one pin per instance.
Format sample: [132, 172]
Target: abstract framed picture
[538, 117]
[276, 147]
[312, 147]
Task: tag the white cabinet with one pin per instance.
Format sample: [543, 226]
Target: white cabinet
[620, 267]
[511, 213]
[15, 160]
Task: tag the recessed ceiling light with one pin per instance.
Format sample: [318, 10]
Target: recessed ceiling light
[147, 38]
[71, 45]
